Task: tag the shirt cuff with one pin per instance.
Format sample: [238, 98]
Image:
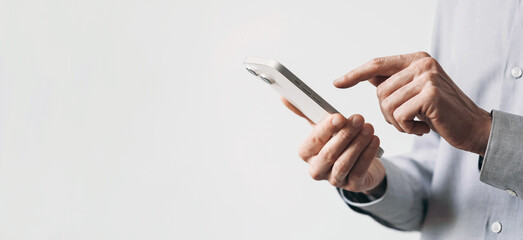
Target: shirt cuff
[502, 166]
[395, 207]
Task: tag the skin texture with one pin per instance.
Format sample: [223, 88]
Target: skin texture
[415, 96]
[414, 86]
[342, 151]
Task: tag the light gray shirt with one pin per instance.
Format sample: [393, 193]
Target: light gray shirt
[438, 189]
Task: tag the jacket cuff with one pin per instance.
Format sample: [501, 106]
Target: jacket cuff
[502, 166]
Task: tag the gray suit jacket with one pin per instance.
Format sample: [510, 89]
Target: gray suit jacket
[438, 189]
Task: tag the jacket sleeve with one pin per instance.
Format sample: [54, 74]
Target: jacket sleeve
[404, 204]
[502, 166]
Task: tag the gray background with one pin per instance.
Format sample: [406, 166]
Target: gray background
[136, 119]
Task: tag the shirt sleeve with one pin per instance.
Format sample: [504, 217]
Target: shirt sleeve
[404, 204]
[502, 166]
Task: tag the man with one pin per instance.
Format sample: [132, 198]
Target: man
[464, 177]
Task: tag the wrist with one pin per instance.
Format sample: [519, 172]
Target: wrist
[378, 191]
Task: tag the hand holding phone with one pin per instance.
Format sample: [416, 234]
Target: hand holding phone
[342, 150]
[296, 94]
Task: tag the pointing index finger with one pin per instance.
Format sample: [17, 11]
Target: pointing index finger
[376, 70]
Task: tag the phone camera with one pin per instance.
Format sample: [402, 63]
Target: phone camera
[265, 79]
[251, 71]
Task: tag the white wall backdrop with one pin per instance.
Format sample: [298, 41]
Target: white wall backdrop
[136, 120]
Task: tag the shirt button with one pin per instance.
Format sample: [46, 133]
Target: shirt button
[511, 192]
[516, 72]
[496, 227]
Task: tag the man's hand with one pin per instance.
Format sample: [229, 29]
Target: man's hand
[343, 152]
[415, 86]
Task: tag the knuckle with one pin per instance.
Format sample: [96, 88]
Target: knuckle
[432, 76]
[343, 133]
[355, 73]
[315, 174]
[316, 140]
[303, 154]
[430, 91]
[385, 116]
[340, 168]
[380, 91]
[427, 62]
[400, 119]
[377, 61]
[428, 77]
[335, 182]
[424, 78]
[397, 114]
[397, 126]
[385, 104]
[422, 54]
[327, 156]
[401, 57]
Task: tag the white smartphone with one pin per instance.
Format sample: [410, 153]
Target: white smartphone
[292, 88]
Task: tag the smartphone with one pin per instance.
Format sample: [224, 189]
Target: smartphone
[292, 88]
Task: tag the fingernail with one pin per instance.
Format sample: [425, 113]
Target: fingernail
[337, 121]
[366, 130]
[357, 122]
